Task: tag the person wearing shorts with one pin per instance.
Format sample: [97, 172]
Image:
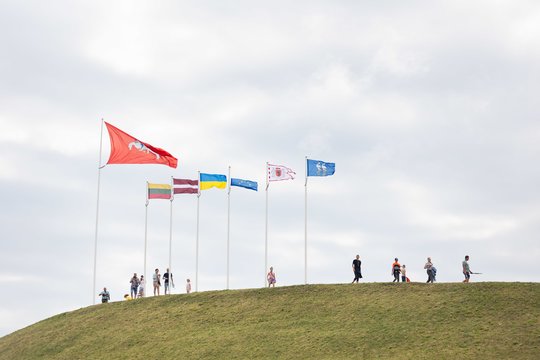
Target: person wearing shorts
[156, 280]
[134, 285]
[271, 277]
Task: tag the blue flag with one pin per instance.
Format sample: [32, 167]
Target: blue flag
[247, 184]
[320, 168]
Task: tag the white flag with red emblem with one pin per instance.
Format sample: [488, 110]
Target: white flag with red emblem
[279, 172]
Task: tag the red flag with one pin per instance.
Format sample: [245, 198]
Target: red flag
[125, 149]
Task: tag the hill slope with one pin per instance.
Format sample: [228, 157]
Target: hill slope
[378, 320]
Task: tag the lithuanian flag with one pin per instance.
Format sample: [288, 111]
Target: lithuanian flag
[159, 191]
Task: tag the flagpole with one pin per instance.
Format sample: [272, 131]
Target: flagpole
[266, 228]
[145, 237]
[170, 239]
[197, 239]
[305, 226]
[228, 223]
[97, 214]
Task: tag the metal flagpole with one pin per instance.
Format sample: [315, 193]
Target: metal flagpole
[228, 223]
[145, 237]
[170, 239]
[97, 214]
[266, 228]
[305, 228]
[197, 239]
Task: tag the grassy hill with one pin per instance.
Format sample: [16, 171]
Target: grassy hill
[377, 320]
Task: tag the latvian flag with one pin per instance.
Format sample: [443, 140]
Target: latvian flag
[185, 186]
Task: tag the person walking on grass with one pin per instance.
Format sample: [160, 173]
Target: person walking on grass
[271, 277]
[466, 269]
[403, 273]
[429, 269]
[356, 268]
[156, 280]
[105, 296]
[166, 281]
[134, 285]
[396, 269]
[188, 286]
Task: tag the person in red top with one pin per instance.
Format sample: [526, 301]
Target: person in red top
[396, 269]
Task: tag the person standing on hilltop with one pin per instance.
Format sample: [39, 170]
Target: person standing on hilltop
[396, 269]
[105, 296]
[188, 286]
[271, 277]
[403, 273]
[466, 269]
[134, 285]
[156, 280]
[356, 268]
[142, 284]
[429, 269]
[166, 281]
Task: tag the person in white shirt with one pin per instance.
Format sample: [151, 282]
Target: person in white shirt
[429, 269]
[403, 273]
[156, 277]
[142, 284]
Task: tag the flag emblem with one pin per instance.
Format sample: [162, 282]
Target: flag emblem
[141, 147]
[321, 168]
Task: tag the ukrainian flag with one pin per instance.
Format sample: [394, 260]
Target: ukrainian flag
[208, 181]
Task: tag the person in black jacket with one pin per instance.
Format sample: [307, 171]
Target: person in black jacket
[356, 267]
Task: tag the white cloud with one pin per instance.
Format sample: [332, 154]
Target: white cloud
[423, 208]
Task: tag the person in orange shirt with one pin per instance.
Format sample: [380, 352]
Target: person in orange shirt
[396, 269]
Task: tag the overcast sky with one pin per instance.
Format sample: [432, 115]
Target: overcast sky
[429, 110]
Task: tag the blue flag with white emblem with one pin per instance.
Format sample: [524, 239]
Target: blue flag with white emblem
[320, 168]
[247, 184]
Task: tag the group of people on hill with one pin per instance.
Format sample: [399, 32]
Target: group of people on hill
[168, 282]
[401, 270]
[398, 270]
[138, 286]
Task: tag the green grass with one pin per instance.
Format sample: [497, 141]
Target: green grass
[378, 320]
